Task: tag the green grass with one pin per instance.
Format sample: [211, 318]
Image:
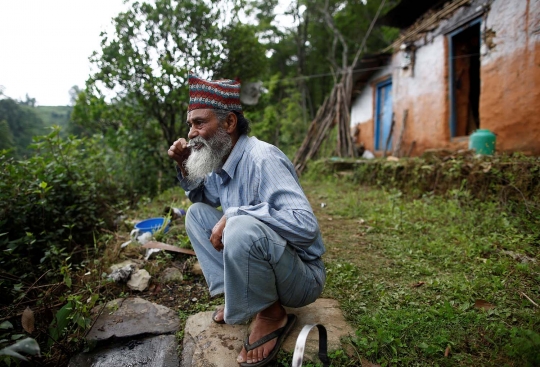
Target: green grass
[380, 244]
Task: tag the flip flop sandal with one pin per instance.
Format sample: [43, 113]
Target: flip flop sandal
[280, 334]
[221, 322]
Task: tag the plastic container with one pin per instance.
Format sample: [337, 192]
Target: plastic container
[152, 225]
[483, 141]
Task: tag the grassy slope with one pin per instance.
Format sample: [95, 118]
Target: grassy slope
[381, 244]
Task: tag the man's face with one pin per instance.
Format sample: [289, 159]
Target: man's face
[203, 123]
[211, 144]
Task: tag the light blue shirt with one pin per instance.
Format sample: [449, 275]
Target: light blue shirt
[259, 180]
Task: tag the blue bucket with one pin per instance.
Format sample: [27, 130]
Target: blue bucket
[152, 225]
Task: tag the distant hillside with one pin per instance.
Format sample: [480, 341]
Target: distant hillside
[53, 115]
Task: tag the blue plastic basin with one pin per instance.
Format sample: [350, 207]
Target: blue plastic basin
[152, 225]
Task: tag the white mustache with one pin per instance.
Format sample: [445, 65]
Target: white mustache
[198, 141]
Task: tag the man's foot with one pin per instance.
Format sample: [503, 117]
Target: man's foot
[266, 321]
[219, 316]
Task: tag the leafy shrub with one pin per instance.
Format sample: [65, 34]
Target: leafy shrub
[53, 202]
[138, 158]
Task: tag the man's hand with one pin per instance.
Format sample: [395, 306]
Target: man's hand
[179, 152]
[217, 234]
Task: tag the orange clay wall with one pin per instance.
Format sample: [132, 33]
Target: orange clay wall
[423, 92]
[510, 76]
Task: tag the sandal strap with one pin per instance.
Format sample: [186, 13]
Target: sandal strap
[263, 340]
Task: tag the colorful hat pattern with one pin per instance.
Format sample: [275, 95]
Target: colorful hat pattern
[216, 94]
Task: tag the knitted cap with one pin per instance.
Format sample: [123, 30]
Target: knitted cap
[215, 94]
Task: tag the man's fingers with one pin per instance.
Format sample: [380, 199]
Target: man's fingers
[218, 245]
[178, 151]
[177, 157]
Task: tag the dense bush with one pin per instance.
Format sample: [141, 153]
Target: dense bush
[52, 204]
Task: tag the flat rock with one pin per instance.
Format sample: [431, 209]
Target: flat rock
[131, 317]
[154, 351]
[207, 344]
[323, 311]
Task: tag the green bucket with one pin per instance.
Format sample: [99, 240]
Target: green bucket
[483, 141]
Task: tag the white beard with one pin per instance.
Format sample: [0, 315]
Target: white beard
[209, 157]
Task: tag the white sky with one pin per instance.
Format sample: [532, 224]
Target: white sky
[45, 44]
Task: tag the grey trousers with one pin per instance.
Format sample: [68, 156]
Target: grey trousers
[256, 268]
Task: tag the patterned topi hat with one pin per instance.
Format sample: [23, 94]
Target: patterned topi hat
[215, 94]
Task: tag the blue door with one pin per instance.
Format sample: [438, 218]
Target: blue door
[383, 117]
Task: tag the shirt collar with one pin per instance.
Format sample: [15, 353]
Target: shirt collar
[229, 168]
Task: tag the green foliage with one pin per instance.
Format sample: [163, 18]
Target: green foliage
[27, 346]
[504, 177]
[52, 202]
[12, 353]
[22, 125]
[74, 314]
[147, 85]
[60, 322]
[150, 82]
[243, 56]
[524, 346]
[6, 137]
[279, 119]
[54, 116]
[138, 157]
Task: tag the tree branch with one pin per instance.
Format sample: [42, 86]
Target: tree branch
[329, 20]
[361, 49]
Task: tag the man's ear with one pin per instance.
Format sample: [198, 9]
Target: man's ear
[231, 122]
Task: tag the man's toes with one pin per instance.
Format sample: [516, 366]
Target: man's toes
[260, 353]
[218, 317]
[242, 357]
[249, 357]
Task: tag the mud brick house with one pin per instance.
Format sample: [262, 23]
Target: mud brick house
[457, 66]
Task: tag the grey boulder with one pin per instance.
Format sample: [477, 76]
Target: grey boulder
[131, 317]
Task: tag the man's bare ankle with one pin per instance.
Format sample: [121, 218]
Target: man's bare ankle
[275, 312]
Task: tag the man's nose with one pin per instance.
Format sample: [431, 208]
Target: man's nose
[192, 133]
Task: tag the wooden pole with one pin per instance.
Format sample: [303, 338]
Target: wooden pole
[397, 149]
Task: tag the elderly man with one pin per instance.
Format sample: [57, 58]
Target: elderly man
[263, 249]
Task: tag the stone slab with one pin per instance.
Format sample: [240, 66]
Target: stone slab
[155, 351]
[323, 311]
[207, 344]
[130, 317]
